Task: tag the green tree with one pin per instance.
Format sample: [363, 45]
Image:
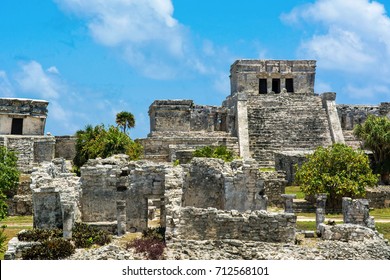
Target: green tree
[125, 120]
[337, 170]
[93, 142]
[9, 178]
[375, 134]
[220, 152]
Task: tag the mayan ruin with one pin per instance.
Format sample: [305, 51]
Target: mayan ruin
[210, 209]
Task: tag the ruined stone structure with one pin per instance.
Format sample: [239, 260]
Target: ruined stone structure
[272, 109]
[115, 194]
[22, 116]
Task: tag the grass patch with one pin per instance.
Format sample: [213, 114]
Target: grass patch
[380, 213]
[295, 190]
[383, 228]
[14, 225]
[267, 169]
[306, 225]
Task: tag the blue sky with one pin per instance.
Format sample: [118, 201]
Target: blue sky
[93, 58]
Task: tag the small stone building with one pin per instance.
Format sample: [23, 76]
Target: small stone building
[22, 116]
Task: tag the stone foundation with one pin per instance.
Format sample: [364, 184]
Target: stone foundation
[212, 224]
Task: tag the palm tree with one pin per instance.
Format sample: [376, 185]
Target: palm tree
[125, 120]
[375, 134]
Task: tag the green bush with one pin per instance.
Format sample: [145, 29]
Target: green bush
[9, 178]
[157, 233]
[375, 134]
[93, 142]
[338, 171]
[85, 236]
[39, 234]
[220, 152]
[52, 249]
[3, 238]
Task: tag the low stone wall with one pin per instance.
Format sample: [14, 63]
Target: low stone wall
[379, 197]
[30, 149]
[65, 147]
[286, 161]
[274, 184]
[347, 232]
[211, 224]
[356, 211]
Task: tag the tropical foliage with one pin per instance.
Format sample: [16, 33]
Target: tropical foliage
[337, 170]
[375, 134]
[93, 142]
[220, 152]
[125, 120]
[9, 178]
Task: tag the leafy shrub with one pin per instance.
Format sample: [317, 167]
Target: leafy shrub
[85, 236]
[375, 134]
[157, 233]
[38, 234]
[220, 152]
[9, 178]
[93, 142]
[150, 247]
[52, 249]
[3, 238]
[337, 170]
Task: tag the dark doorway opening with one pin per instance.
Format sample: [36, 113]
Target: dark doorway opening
[276, 85]
[289, 85]
[17, 126]
[263, 86]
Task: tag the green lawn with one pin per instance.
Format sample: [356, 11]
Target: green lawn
[295, 190]
[14, 225]
[383, 228]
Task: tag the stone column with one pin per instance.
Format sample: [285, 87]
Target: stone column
[320, 209]
[68, 219]
[121, 216]
[288, 202]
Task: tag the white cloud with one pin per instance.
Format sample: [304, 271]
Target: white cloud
[350, 37]
[145, 31]
[53, 70]
[6, 88]
[33, 79]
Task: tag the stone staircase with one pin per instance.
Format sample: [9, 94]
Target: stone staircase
[351, 140]
[285, 122]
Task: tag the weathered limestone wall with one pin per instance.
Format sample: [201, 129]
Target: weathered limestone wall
[21, 202]
[184, 115]
[245, 74]
[99, 194]
[204, 183]
[348, 232]
[274, 184]
[237, 185]
[211, 224]
[356, 211]
[379, 197]
[30, 149]
[65, 147]
[281, 122]
[181, 123]
[163, 147]
[56, 195]
[286, 161]
[146, 181]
